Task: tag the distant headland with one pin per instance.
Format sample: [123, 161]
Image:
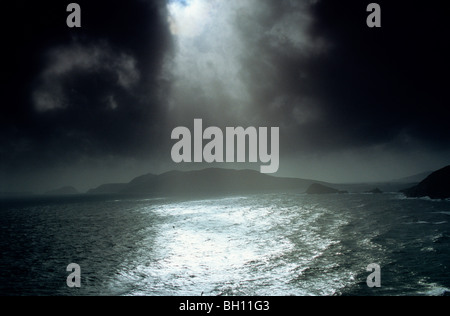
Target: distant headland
[435, 186]
[213, 181]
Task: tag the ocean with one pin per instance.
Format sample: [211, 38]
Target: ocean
[251, 245]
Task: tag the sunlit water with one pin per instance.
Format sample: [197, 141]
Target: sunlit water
[263, 245]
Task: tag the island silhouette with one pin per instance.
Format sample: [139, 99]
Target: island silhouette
[435, 186]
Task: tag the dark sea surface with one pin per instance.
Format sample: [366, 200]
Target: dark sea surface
[256, 245]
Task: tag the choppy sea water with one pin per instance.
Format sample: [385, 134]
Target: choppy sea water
[256, 245]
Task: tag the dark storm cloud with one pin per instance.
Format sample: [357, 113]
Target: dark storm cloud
[340, 84]
[69, 93]
[379, 83]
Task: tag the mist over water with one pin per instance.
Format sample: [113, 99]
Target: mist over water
[283, 244]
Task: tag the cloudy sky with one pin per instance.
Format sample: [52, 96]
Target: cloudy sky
[85, 106]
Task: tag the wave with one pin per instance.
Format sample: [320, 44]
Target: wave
[441, 238]
[401, 196]
[425, 222]
[443, 212]
[433, 289]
